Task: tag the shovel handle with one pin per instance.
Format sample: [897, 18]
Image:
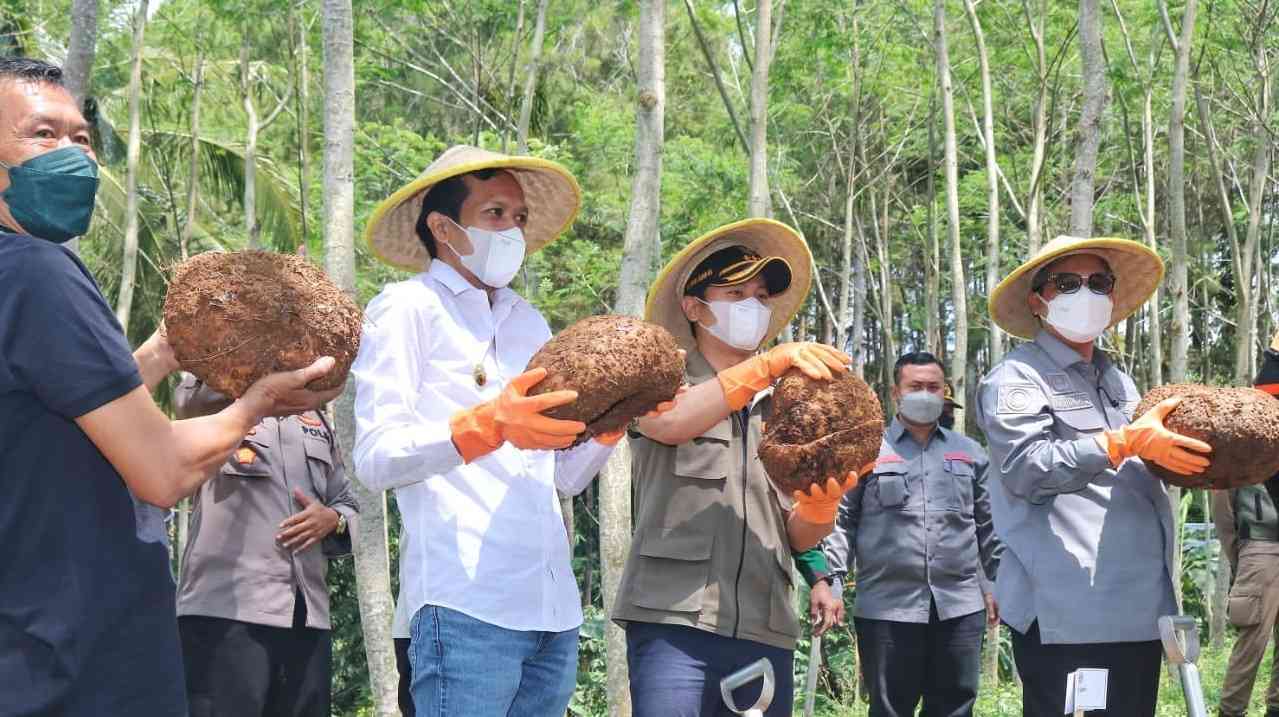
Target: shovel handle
[761, 669]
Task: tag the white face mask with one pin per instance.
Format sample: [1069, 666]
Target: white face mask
[495, 257]
[740, 324]
[1080, 317]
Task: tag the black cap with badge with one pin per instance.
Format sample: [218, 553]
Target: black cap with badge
[734, 265]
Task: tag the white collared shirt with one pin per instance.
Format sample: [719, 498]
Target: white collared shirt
[485, 538]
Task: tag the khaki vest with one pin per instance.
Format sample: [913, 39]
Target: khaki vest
[710, 548]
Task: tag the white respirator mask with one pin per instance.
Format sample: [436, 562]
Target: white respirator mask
[496, 257]
[1080, 317]
[740, 324]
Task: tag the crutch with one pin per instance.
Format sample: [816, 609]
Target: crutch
[1180, 636]
[762, 670]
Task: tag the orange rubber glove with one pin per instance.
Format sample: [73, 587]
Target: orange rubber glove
[820, 503]
[611, 439]
[743, 381]
[514, 417]
[1147, 438]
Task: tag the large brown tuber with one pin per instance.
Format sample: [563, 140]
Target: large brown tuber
[1241, 425]
[820, 430]
[234, 318]
[621, 368]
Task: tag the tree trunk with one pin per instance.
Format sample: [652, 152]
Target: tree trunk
[959, 289]
[304, 116]
[1177, 279]
[530, 81]
[1177, 229]
[1089, 139]
[372, 567]
[932, 249]
[250, 146]
[193, 166]
[1246, 316]
[1035, 193]
[758, 203]
[1154, 323]
[77, 72]
[129, 270]
[992, 177]
[639, 251]
[847, 302]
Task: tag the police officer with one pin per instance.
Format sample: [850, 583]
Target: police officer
[253, 607]
[1248, 525]
[947, 419]
[1088, 531]
[926, 552]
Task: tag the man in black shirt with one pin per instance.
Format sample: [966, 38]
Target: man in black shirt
[87, 624]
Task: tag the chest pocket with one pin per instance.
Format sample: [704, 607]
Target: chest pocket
[958, 474]
[1079, 422]
[891, 489]
[706, 457]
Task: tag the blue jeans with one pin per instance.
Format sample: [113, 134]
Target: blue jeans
[465, 667]
[675, 671]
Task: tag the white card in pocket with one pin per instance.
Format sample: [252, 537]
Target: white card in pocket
[1086, 690]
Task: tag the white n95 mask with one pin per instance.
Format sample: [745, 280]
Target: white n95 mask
[1080, 317]
[740, 324]
[495, 257]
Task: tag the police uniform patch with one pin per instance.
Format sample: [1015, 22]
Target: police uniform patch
[1059, 382]
[245, 456]
[1019, 398]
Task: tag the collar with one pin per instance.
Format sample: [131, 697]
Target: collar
[897, 431]
[1065, 356]
[449, 277]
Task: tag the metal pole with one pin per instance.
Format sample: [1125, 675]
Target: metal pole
[810, 680]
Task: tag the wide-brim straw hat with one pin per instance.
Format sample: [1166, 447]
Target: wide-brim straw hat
[1137, 269]
[765, 237]
[550, 191]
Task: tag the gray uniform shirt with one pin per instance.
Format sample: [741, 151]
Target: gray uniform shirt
[919, 528]
[1089, 547]
[233, 568]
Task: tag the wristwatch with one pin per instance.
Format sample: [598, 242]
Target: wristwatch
[341, 529]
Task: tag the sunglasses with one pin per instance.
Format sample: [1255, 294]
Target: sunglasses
[1068, 282]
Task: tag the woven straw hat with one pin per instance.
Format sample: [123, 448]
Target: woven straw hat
[1137, 269]
[764, 237]
[550, 191]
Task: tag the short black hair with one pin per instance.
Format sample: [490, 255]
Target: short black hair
[915, 358]
[446, 197]
[28, 69]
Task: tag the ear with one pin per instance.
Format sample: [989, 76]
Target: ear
[895, 393]
[1035, 302]
[692, 308]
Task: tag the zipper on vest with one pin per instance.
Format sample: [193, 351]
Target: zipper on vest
[741, 559]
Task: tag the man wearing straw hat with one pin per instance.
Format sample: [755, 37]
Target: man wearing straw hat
[707, 586]
[443, 418]
[1088, 530]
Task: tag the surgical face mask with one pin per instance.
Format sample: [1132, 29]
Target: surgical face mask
[920, 407]
[52, 194]
[1080, 317]
[740, 324]
[495, 257]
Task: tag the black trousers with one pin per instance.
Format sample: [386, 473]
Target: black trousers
[238, 669]
[405, 670]
[938, 662]
[1132, 686]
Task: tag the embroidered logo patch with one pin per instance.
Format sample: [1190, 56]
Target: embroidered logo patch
[1019, 398]
[245, 456]
[890, 458]
[310, 420]
[1071, 402]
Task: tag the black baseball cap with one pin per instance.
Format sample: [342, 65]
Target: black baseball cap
[735, 265]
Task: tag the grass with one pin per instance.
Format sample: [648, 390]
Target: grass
[1005, 700]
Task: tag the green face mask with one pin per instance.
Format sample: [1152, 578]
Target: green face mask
[52, 194]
